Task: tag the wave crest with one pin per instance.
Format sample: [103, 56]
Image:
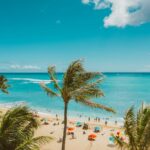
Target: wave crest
[31, 80]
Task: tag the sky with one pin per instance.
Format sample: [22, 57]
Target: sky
[109, 35]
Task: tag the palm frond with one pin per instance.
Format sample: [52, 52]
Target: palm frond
[95, 105]
[130, 127]
[16, 127]
[120, 143]
[145, 139]
[49, 91]
[29, 128]
[90, 90]
[84, 78]
[143, 131]
[33, 144]
[3, 84]
[51, 72]
[73, 70]
[137, 128]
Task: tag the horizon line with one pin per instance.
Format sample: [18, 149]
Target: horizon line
[64, 72]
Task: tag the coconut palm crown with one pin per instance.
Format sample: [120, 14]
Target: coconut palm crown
[17, 129]
[78, 85]
[137, 129]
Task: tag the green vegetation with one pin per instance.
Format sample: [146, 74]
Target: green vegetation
[3, 84]
[78, 85]
[137, 130]
[17, 129]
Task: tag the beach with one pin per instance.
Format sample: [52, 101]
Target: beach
[81, 140]
[54, 129]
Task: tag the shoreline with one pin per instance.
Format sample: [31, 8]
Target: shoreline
[54, 128]
[71, 114]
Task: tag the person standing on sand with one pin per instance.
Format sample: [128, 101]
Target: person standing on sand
[106, 123]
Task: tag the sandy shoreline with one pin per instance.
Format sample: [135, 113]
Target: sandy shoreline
[81, 142]
[55, 130]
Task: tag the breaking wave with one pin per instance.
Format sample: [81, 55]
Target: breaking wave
[31, 80]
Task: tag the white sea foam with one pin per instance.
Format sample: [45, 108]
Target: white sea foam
[10, 105]
[31, 80]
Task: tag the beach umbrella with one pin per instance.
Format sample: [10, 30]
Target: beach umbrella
[92, 136]
[111, 140]
[118, 133]
[78, 124]
[70, 129]
[97, 129]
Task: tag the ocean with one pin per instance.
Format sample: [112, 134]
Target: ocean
[122, 90]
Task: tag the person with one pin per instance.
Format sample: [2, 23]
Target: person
[52, 132]
[116, 122]
[96, 119]
[73, 136]
[84, 132]
[106, 123]
[54, 124]
[48, 110]
[60, 140]
[56, 117]
[89, 119]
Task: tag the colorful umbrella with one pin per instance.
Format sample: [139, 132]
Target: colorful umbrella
[92, 136]
[70, 129]
[97, 128]
[78, 124]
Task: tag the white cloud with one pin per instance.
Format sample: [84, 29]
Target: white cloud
[123, 12]
[15, 66]
[85, 1]
[24, 67]
[100, 4]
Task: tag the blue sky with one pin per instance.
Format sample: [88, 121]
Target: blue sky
[38, 33]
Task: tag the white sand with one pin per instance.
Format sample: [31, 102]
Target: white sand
[81, 142]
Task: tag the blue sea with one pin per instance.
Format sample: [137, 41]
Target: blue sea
[121, 90]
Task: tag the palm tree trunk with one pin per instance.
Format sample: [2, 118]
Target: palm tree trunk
[65, 126]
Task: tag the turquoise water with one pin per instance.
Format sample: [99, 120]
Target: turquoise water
[121, 91]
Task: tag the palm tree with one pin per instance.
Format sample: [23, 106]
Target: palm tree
[137, 129]
[17, 129]
[78, 85]
[3, 84]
